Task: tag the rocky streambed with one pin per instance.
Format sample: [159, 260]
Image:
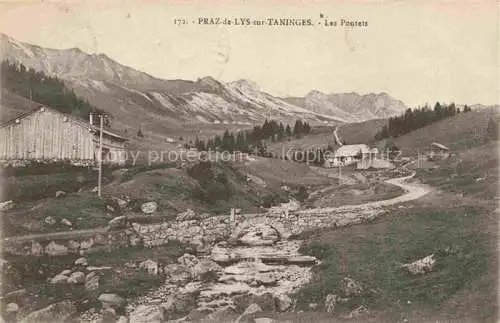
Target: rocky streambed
[254, 267]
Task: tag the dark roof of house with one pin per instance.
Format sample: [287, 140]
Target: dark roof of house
[17, 116]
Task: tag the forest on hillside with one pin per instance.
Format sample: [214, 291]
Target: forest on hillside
[48, 90]
[418, 118]
[254, 140]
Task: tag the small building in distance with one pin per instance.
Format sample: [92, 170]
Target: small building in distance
[47, 135]
[347, 155]
[437, 151]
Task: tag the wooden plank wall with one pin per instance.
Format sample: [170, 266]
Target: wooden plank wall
[46, 135]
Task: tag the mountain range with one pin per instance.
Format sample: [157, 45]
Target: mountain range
[137, 99]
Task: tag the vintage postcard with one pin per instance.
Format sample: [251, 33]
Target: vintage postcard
[249, 161]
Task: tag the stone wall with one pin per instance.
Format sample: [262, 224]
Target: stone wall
[201, 233]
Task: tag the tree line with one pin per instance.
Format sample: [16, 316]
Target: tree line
[254, 140]
[418, 118]
[47, 90]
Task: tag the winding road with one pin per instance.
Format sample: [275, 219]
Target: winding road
[413, 191]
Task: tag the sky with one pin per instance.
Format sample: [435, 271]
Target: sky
[417, 51]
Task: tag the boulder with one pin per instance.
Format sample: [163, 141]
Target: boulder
[118, 222]
[357, 312]
[149, 207]
[57, 312]
[49, 220]
[187, 215]
[205, 269]
[147, 314]
[122, 319]
[54, 249]
[349, 287]
[76, 278]
[176, 273]
[150, 266]
[7, 205]
[257, 235]
[11, 308]
[223, 315]
[82, 261]
[66, 272]
[60, 193]
[421, 266]
[66, 222]
[187, 260]
[177, 306]
[122, 203]
[253, 308]
[284, 302]
[59, 279]
[112, 300]
[108, 315]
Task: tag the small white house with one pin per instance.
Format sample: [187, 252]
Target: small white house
[348, 154]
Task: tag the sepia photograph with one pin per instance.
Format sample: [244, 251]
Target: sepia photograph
[249, 161]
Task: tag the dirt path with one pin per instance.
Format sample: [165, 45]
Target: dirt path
[413, 191]
[58, 235]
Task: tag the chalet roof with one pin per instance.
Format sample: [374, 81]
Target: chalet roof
[91, 128]
[440, 146]
[352, 150]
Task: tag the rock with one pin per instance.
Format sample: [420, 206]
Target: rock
[108, 315]
[223, 315]
[220, 254]
[187, 215]
[149, 207]
[122, 319]
[87, 244]
[349, 287]
[112, 300]
[91, 281]
[76, 278]
[57, 312]
[120, 202]
[147, 314]
[50, 220]
[313, 306]
[258, 235]
[205, 269]
[187, 260]
[358, 311]
[330, 302]
[66, 272]
[284, 302]
[150, 266]
[177, 306]
[54, 249]
[60, 193]
[118, 222]
[176, 273]
[66, 222]
[421, 266]
[266, 301]
[82, 261]
[59, 279]
[36, 248]
[7, 205]
[253, 308]
[11, 308]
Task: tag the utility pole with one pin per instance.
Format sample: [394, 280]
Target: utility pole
[100, 155]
